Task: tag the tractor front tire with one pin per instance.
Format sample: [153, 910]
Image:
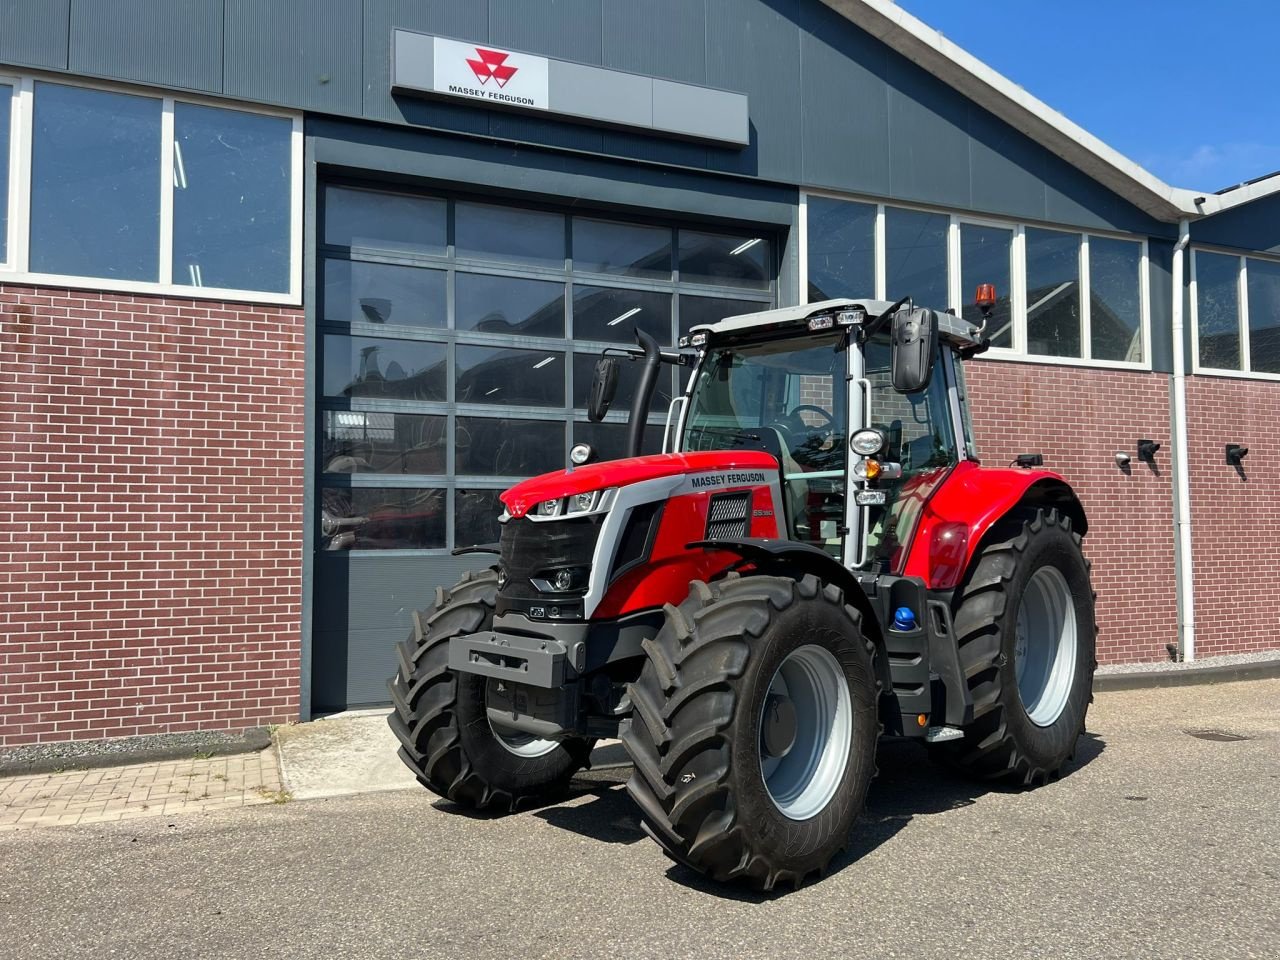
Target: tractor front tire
[1024, 622]
[753, 729]
[439, 716]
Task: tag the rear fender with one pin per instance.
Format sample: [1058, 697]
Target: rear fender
[969, 504]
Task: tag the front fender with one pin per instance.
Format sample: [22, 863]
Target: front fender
[969, 503]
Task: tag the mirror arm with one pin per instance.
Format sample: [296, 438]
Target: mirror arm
[871, 329]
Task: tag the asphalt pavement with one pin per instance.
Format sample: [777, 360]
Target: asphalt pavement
[1157, 842]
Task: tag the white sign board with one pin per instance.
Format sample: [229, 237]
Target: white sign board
[487, 73]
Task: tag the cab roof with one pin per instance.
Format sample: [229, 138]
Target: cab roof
[950, 327]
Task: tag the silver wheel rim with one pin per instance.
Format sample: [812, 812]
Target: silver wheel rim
[521, 744]
[802, 781]
[1044, 654]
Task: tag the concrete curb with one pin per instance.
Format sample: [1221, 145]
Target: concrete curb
[91, 754]
[1186, 676]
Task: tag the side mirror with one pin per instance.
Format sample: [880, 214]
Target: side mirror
[915, 344]
[604, 384]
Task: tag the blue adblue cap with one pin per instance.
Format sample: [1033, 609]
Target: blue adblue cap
[904, 618]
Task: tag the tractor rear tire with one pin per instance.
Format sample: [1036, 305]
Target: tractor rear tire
[439, 716]
[703, 745]
[1024, 622]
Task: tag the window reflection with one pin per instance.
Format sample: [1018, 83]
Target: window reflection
[695, 311]
[6, 106]
[505, 377]
[738, 260]
[531, 308]
[368, 518]
[506, 233]
[584, 365]
[1115, 299]
[915, 252]
[476, 515]
[365, 441]
[984, 258]
[503, 447]
[1218, 310]
[842, 249]
[391, 369]
[612, 315]
[356, 291]
[1053, 293]
[626, 249]
[1264, 316]
[384, 221]
[609, 440]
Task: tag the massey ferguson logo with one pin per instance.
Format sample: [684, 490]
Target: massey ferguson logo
[492, 65]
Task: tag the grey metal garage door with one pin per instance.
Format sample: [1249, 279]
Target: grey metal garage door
[456, 343]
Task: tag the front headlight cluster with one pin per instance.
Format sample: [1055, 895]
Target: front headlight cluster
[576, 505]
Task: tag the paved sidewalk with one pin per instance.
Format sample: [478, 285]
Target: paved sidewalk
[141, 790]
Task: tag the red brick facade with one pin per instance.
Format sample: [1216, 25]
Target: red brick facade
[1235, 526]
[150, 516]
[1079, 419]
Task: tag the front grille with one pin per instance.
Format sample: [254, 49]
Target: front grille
[728, 515]
[529, 549]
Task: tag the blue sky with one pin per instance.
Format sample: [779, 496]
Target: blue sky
[1183, 87]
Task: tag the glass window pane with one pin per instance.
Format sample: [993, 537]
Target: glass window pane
[391, 369]
[1053, 293]
[365, 441]
[95, 184]
[584, 365]
[231, 199]
[1264, 316]
[984, 258]
[384, 293]
[628, 249]
[916, 257]
[842, 249]
[369, 518]
[739, 260]
[1115, 299]
[475, 518]
[531, 308]
[6, 106]
[609, 440]
[496, 375]
[508, 234]
[699, 310]
[384, 221]
[1218, 309]
[605, 313]
[508, 448]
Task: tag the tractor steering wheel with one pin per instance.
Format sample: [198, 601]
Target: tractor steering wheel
[811, 408]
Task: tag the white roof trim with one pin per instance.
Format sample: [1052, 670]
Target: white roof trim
[961, 70]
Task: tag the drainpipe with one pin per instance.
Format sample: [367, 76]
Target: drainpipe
[1182, 477]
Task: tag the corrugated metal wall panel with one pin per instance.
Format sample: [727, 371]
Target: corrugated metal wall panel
[1004, 168]
[155, 41]
[928, 137]
[1160, 274]
[754, 48]
[1255, 226]
[569, 29]
[300, 53]
[463, 21]
[34, 34]
[846, 145]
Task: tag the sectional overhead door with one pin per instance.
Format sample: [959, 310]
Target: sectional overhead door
[456, 341]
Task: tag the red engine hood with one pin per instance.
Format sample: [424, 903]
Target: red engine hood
[618, 473]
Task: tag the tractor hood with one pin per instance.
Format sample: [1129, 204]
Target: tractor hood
[618, 473]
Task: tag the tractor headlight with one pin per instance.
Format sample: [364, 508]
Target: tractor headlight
[548, 508]
[867, 442]
[583, 502]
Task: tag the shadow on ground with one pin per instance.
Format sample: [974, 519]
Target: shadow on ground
[908, 786]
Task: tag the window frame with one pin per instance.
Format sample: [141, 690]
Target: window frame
[1242, 314]
[1018, 273]
[16, 269]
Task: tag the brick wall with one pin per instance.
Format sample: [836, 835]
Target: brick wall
[1235, 525]
[150, 514]
[1079, 418]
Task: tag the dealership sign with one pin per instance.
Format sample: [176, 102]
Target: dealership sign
[492, 76]
[499, 77]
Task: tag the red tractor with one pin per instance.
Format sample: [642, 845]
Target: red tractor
[820, 560]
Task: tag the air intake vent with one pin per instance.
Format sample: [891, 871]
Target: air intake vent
[727, 518]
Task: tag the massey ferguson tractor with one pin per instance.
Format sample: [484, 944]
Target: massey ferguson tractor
[819, 560]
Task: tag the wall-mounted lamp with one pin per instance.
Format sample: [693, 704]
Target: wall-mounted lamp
[1236, 453]
[1147, 450]
[1122, 459]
